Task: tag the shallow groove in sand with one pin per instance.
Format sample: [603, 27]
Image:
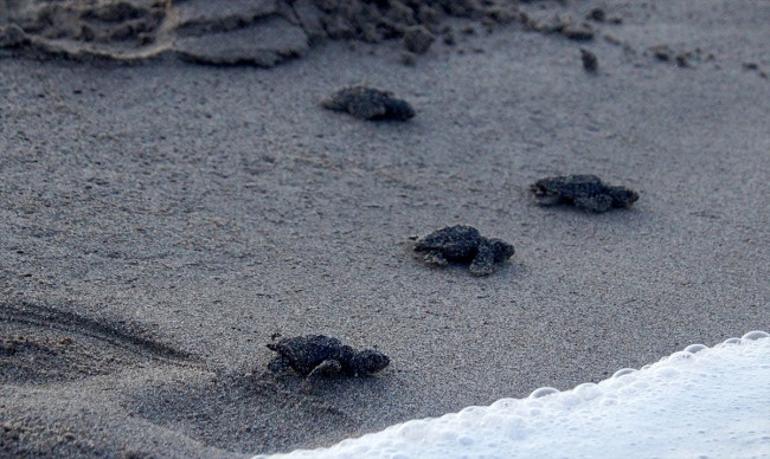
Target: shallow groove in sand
[45, 318]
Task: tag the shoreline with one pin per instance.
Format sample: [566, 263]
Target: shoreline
[703, 391]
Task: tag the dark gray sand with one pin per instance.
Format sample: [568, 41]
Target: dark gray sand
[160, 222]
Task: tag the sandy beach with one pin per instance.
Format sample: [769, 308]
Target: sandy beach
[162, 220]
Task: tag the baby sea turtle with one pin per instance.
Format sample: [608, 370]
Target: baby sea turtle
[464, 244]
[319, 355]
[369, 104]
[585, 191]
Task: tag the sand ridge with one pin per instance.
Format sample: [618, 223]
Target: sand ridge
[261, 33]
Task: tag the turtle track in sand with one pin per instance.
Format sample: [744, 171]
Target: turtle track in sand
[39, 344]
[237, 412]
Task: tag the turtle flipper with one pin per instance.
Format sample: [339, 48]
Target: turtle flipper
[279, 364]
[484, 263]
[434, 257]
[491, 255]
[329, 367]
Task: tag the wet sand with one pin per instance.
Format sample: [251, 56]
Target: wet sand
[161, 221]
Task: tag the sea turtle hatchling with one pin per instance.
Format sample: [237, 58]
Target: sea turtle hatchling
[369, 104]
[318, 355]
[584, 191]
[464, 244]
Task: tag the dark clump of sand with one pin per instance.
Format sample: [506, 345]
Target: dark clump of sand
[682, 58]
[590, 61]
[418, 39]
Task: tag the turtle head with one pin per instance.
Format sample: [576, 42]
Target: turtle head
[501, 249]
[623, 197]
[369, 361]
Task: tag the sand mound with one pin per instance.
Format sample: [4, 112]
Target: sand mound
[254, 32]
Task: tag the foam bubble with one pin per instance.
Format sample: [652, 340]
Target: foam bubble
[755, 335]
[623, 372]
[701, 402]
[694, 348]
[543, 391]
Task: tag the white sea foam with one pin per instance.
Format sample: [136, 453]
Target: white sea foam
[698, 403]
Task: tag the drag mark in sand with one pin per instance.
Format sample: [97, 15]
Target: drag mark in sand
[41, 344]
[243, 413]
